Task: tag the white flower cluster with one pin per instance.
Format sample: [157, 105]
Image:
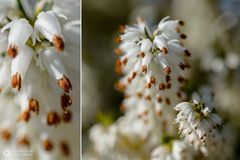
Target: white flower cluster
[37, 49]
[152, 64]
[199, 125]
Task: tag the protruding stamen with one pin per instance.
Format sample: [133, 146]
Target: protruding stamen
[24, 141]
[34, 105]
[66, 101]
[118, 39]
[134, 74]
[142, 54]
[47, 144]
[124, 61]
[118, 67]
[6, 134]
[168, 78]
[159, 99]
[65, 84]
[53, 118]
[187, 53]
[25, 116]
[168, 85]
[153, 80]
[167, 70]
[144, 69]
[17, 81]
[148, 97]
[181, 65]
[168, 102]
[164, 50]
[181, 23]
[67, 116]
[162, 86]
[122, 28]
[65, 148]
[181, 79]
[58, 43]
[183, 36]
[12, 51]
[117, 51]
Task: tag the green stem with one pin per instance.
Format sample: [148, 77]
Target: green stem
[20, 6]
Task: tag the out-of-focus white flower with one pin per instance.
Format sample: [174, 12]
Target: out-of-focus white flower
[177, 150]
[198, 124]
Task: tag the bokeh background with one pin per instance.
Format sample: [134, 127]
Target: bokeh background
[213, 29]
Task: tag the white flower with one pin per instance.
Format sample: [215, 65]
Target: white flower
[177, 150]
[198, 124]
[20, 31]
[35, 116]
[18, 69]
[52, 62]
[48, 25]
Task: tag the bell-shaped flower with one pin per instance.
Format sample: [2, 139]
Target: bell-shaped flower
[48, 25]
[20, 65]
[20, 31]
[51, 60]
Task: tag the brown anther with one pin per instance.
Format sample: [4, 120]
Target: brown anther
[118, 67]
[118, 39]
[117, 51]
[47, 144]
[66, 101]
[12, 51]
[187, 53]
[164, 50]
[148, 97]
[168, 85]
[142, 54]
[145, 113]
[120, 86]
[25, 116]
[17, 81]
[121, 28]
[144, 68]
[162, 86]
[181, 65]
[178, 30]
[187, 65]
[181, 23]
[6, 135]
[159, 113]
[124, 61]
[123, 107]
[33, 105]
[168, 78]
[149, 85]
[134, 74]
[58, 43]
[67, 116]
[179, 94]
[24, 141]
[153, 80]
[53, 118]
[181, 79]
[129, 80]
[167, 100]
[167, 70]
[159, 99]
[139, 94]
[183, 36]
[65, 84]
[65, 148]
